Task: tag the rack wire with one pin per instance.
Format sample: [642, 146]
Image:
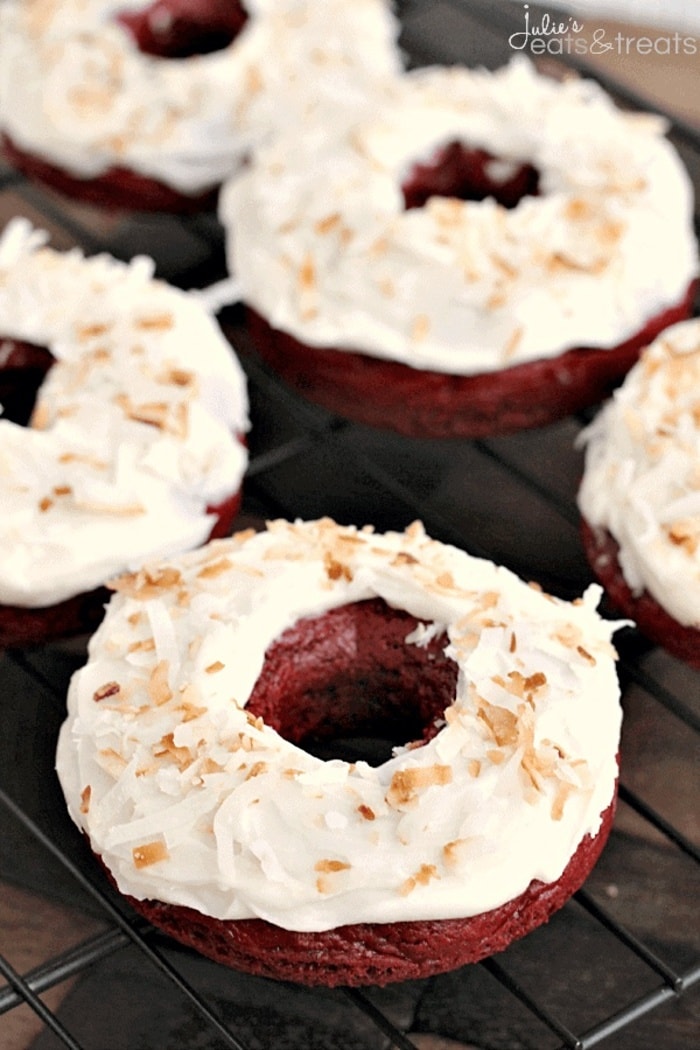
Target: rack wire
[618, 965]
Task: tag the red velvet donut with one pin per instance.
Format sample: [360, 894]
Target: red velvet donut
[344, 757]
[77, 433]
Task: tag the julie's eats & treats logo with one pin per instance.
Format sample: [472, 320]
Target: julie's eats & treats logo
[546, 34]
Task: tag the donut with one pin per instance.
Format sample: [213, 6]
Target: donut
[200, 751]
[150, 105]
[135, 446]
[640, 494]
[487, 252]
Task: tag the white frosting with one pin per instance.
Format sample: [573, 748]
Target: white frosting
[642, 474]
[76, 91]
[329, 254]
[189, 800]
[136, 428]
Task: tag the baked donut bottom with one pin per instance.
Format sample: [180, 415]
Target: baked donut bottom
[602, 551]
[375, 953]
[350, 672]
[116, 189]
[421, 403]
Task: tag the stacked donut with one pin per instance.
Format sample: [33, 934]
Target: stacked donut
[135, 445]
[185, 757]
[151, 105]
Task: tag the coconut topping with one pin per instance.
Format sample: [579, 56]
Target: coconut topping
[465, 286]
[76, 90]
[190, 799]
[642, 473]
[135, 431]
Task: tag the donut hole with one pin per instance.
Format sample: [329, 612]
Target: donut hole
[183, 28]
[458, 170]
[347, 684]
[23, 368]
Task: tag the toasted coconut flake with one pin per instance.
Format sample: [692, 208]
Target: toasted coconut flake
[420, 329]
[422, 877]
[256, 770]
[336, 570]
[149, 853]
[214, 568]
[501, 723]
[156, 322]
[210, 766]
[190, 712]
[474, 767]
[85, 799]
[45, 504]
[588, 657]
[167, 748]
[40, 417]
[407, 783]
[686, 534]
[181, 377]
[366, 812]
[90, 331]
[146, 583]
[562, 795]
[112, 762]
[451, 852]
[215, 667]
[328, 223]
[159, 689]
[81, 457]
[328, 866]
[307, 275]
[108, 689]
[404, 558]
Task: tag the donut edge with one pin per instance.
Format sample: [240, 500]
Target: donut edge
[374, 953]
[426, 404]
[602, 551]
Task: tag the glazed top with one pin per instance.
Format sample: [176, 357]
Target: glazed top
[190, 800]
[642, 472]
[135, 430]
[75, 89]
[331, 256]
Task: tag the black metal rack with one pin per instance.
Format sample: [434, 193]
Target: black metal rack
[616, 966]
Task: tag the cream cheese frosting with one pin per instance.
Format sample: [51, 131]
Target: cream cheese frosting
[331, 256]
[641, 480]
[136, 430]
[191, 800]
[76, 91]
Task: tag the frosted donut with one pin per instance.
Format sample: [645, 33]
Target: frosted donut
[134, 448]
[640, 495]
[151, 105]
[183, 757]
[378, 291]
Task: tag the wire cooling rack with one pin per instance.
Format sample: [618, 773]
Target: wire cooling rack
[616, 966]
